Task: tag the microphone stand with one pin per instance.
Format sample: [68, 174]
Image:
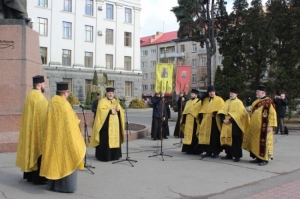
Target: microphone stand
[127, 130]
[161, 137]
[86, 137]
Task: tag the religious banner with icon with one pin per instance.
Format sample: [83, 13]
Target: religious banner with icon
[183, 78]
[164, 78]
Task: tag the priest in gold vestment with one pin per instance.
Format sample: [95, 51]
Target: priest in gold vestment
[31, 132]
[208, 132]
[234, 120]
[108, 129]
[63, 147]
[189, 124]
[259, 136]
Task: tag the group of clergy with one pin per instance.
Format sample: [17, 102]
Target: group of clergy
[51, 147]
[211, 125]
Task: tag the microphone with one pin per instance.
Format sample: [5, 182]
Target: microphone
[81, 106]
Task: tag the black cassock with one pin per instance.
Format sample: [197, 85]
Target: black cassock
[103, 152]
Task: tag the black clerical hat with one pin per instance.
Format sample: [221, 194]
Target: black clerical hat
[62, 86]
[261, 88]
[110, 89]
[234, 90]
[195, 91]
[210, 88]
[38, 79]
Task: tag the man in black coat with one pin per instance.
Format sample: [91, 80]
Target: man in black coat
[280, 103]
[159, 115]
[180, 104]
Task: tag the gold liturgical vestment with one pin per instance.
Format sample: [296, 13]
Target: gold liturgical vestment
[253, 139]
[64, 147]
[191, 110]
[103, 109]
[208, 107]
[232, 109]
[31, 131]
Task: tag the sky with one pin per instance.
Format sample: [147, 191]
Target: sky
[156, 16]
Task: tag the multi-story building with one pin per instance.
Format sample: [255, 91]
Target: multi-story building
[80, 36]
[166, 47]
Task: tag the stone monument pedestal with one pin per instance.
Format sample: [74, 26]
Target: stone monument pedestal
[19, 61]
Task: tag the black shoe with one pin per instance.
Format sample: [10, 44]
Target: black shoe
[206, 155]
[214, 156]
[263, 163]
[255, 161]
[236, 160]
[154, 138]
[226, 158]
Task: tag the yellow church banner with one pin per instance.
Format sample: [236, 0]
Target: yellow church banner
[164, 78]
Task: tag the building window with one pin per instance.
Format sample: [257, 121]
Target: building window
[88, 59]
[68, 5]
[128, 15]
[88, 85]
[152, 63]
[127, 63]
[109, 62]
[152, 87]
[43, 3]
[145, 76]
[194, 48]
[144, 64]
[194, 63]
[66, 58]
[194, 78]
[67, 30]
[128, 89]
[43, 26]
[70, 85]
[89, 7]
[43, 52]
[144, 52]
[109, 36]
[153, 52]
[220, 59]
[127, 39]
[145, 87]
[182, 48]
[203, 61]
[152, 75]
[109, 11]
[111, 83]
[89, 33]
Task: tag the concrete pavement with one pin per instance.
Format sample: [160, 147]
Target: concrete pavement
[181, 176]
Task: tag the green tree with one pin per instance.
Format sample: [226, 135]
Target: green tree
[88, 98]
[256, 46]
[283, 20]
[231, 46]
[201, 21]
[220, 84]
[95, 78]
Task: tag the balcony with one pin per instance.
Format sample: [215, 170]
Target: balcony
[168, 55]
[202, 52]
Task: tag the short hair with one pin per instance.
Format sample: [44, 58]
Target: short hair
[35, 85]
[60, 92]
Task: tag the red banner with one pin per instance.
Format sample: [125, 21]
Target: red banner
[183, 79]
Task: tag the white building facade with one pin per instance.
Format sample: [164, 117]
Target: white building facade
[80, 36]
